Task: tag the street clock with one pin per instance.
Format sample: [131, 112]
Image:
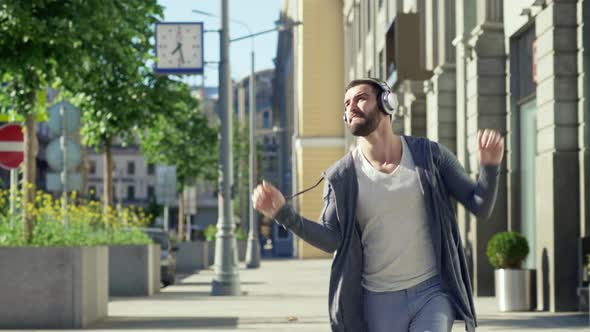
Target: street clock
[179, 48]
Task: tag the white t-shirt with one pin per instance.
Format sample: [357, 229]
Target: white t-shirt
[397, 248]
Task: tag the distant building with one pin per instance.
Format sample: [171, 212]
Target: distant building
[134, 179]
[207, 213]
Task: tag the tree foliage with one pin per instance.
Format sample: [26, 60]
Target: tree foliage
[181, 135]
[73, 45]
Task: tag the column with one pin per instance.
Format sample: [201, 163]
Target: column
[557, 163]
[440, 90]
[486, 108]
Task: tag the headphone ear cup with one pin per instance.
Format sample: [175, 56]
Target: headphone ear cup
[392, 102]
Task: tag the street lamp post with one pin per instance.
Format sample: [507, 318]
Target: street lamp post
[226, 280]
[253, 244]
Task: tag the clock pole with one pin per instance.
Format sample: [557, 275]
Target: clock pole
[226, 280]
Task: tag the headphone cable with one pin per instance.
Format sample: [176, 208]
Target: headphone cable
[306, 190]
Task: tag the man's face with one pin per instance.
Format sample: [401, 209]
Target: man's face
[360, 105]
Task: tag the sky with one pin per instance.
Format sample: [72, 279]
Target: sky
[259, 15]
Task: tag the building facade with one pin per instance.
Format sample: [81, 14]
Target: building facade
[315, 80]
[514, 66]
[268, 134]
[457, 66]
[134, 179]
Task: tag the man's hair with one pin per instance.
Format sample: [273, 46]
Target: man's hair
[376, 87]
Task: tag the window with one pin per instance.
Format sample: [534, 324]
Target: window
[130, 168]
[151, 192]
[131, 193]
[92, 167]
[151, 169]
[368, 15]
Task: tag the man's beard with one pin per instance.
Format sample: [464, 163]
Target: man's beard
[368, 126]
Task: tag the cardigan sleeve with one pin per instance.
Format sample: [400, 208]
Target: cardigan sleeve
[476, 196]
[325, 234]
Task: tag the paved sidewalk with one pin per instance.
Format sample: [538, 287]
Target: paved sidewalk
[282, 295]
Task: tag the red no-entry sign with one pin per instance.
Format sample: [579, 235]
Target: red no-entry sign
[12, 146]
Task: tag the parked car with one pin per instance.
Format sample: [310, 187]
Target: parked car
[167, 254]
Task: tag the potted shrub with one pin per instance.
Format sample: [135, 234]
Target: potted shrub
[60, 277]
[506, 251]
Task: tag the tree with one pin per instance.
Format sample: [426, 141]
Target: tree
[241, 144]
[181, 136]
[56, 43]
[116, 94]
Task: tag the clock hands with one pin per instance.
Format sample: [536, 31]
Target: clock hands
[179, 49]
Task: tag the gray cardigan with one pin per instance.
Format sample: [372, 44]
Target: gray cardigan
[442, 178]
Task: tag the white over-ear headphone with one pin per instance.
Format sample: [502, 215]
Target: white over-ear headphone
[386, 100]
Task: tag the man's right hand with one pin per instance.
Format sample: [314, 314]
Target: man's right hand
[267, 199]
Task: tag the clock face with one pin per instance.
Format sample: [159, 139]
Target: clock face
[179, 47]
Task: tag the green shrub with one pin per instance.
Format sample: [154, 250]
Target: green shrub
[507, 250]
[87, 225]
[240, 234]
[130, 236]
[210, 233]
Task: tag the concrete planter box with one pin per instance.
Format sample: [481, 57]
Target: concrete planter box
[192, 256]
[241, 251]
[53, 287]
[134, 270]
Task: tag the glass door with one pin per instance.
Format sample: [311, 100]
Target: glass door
[528, 152]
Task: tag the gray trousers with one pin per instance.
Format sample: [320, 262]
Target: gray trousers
[422, 308]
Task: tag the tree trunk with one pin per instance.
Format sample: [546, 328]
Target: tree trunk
[108, 176]
[29, 175]
[84, 167]
[181, 220]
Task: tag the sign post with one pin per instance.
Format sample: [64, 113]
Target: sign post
[166, 189]
[63, 154]
[12, 146]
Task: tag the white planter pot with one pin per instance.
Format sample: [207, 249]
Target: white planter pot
[513, 289]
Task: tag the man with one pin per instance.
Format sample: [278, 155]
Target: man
[389, 215]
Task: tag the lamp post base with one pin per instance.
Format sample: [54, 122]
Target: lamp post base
[253, 254]
[225, 288]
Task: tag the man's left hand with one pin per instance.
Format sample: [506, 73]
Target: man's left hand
[491, 147]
